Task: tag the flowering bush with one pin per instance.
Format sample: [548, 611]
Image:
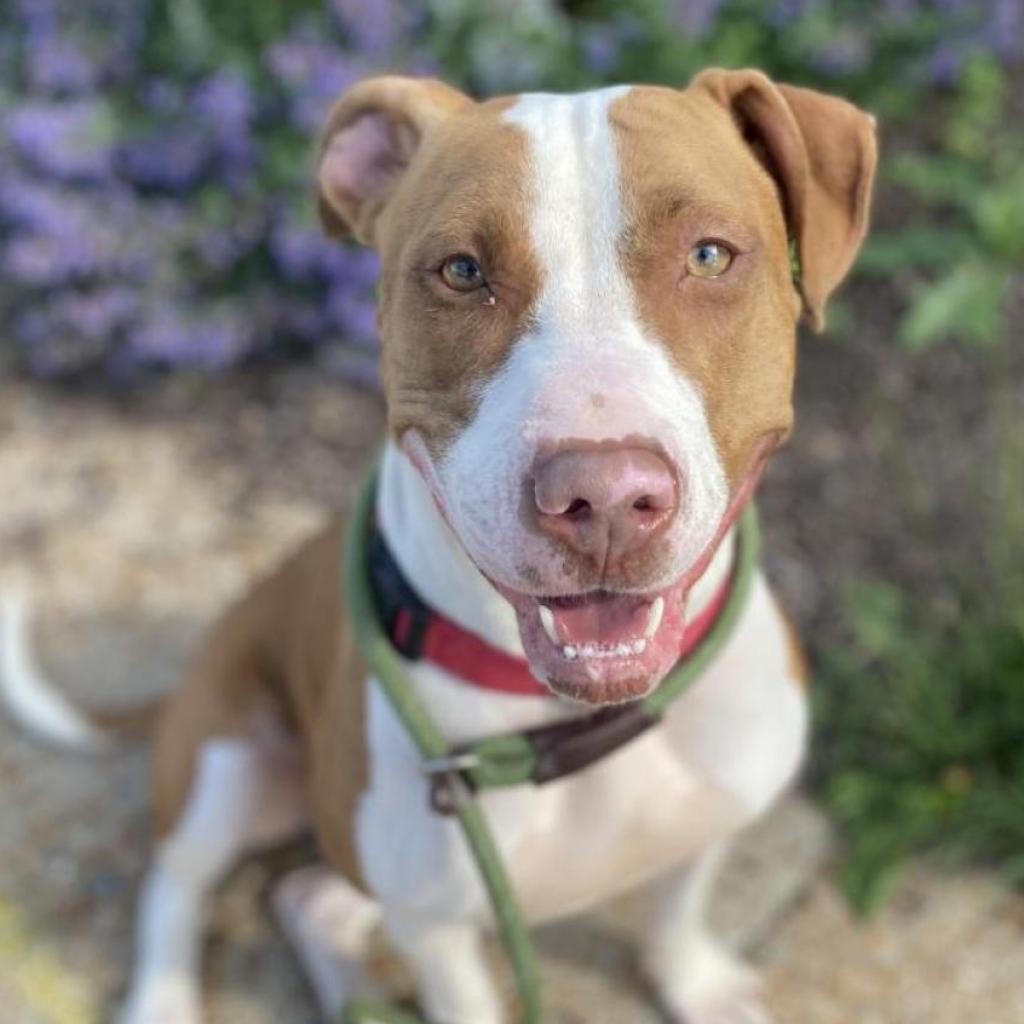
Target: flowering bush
[155, 157]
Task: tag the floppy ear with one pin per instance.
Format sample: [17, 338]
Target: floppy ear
[821, 151]
[372, 135]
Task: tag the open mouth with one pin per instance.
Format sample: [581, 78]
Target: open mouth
[624, 624]
[601, 647]
[608, 647]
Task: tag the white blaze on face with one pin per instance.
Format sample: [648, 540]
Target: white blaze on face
[586, 370]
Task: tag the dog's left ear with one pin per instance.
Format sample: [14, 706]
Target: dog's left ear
[821, 151]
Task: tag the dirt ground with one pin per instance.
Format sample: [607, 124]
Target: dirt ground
[136, 519]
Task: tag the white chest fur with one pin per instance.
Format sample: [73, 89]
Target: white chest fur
[725, 750]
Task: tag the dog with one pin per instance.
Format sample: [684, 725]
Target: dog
[588, 316]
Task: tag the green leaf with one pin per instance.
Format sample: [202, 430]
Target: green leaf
[920, 246]
[967, 303]
[999, 217]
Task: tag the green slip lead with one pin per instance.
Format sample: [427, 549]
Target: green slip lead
[498, 760]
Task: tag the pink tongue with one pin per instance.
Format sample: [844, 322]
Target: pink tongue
[604, 620]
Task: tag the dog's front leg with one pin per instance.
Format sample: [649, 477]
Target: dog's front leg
[697, 980]
[446, 957]
[233, 804]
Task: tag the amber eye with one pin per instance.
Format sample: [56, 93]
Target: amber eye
[462, 273]
[708, 259]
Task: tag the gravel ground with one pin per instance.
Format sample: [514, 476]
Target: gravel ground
[135, 522]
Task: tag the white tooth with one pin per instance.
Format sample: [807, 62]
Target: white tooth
[547, 620]
[654, 617]
[639, 646]
[570, 652]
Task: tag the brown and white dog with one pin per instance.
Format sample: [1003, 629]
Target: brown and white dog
[587, 320]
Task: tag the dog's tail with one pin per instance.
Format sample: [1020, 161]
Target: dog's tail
[38, 707]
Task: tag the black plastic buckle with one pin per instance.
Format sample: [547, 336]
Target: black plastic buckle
[395, 598]
[450, 782]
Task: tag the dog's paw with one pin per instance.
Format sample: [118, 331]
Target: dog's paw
[712, 987]
[329, 925]
[163, 1002]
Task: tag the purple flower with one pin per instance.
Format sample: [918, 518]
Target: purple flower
[69, 140]
[225, 99]
[220, 248]
[171, 158]
[353, 314]
[46, 261]
[600, 48]
[170, 337]
[362, 267]
[57, 64]
[42, 262]
[1004, 31]
[31, 206]
[38, 17]
[946, 62]
[375, 26]
[97, 314]
[163, 97]
[226, 105]
[784, 13]
[846, 53]
[75, 329]
[56, 237]
[302, 253]
[314, 73]
[899, 12]
[694, 18]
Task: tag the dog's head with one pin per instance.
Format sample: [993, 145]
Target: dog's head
[588, 318]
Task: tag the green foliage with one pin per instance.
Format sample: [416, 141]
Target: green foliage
[188, 37]
[962, 236]
[919, 743]
[966, 302]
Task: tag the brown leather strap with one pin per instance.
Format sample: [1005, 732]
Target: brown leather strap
[555, 751]
[567, 747]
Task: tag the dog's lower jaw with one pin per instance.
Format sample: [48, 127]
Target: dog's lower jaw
[602, 662]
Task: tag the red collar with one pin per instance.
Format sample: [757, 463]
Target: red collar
[421, 634]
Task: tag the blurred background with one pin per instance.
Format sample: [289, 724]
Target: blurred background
[188, 386]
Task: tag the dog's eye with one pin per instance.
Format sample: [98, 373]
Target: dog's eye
[709, 259]
[462, 273]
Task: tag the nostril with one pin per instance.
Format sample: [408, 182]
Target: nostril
[578, 508]
[650, 506]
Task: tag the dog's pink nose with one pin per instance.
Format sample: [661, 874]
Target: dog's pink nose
[604, 503]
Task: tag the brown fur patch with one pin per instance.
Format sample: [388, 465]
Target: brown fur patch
[799, 669]
[284, 648]
[466, 192]
[688, 175]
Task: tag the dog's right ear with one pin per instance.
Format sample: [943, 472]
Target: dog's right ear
[372, 135]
